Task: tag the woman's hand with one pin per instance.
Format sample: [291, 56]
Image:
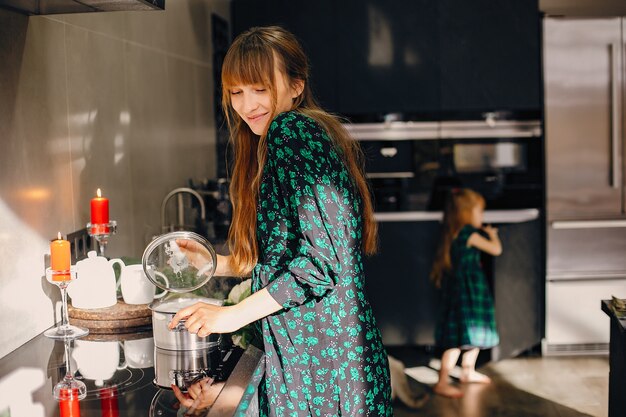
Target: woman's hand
[197, 398]
[204, 319]
[199, 256]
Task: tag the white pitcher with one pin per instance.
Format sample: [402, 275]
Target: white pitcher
[95, 286]
[136, 287]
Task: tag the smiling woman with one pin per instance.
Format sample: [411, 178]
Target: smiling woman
[302, 220]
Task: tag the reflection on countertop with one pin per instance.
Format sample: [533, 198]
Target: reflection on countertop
[119, 371]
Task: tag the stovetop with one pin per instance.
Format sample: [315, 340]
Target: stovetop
[119, 372]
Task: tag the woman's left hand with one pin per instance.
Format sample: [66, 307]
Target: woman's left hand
[204, 319]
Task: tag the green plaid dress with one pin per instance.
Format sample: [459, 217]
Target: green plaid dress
[466, 318]
[323, 352]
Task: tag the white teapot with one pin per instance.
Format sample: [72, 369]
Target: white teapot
[98, 360]
[95, 286]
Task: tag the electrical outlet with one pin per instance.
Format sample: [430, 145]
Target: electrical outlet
[80, 244]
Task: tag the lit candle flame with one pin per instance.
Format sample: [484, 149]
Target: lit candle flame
[59, 235]
[99, 193]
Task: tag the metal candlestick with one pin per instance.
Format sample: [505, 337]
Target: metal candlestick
[101, 232]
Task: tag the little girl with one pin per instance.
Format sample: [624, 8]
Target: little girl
[466, 319]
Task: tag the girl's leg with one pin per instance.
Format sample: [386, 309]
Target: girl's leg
[443, 387]
[468, 364]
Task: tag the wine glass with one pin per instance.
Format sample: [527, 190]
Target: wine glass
[69, 390]
[65, 330]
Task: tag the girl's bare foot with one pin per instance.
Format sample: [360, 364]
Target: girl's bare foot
[447, 390]
[474, 377]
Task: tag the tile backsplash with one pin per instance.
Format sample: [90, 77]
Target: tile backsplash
[121, 101]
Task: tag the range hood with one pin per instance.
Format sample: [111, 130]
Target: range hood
[37, 7]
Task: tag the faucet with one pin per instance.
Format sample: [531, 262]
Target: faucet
[181, 217]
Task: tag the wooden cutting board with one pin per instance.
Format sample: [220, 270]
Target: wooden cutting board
[119, 318]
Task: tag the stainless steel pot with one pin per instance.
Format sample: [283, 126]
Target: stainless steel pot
[182, 368]
[178, 338]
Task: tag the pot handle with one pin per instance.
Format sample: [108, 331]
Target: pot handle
[180, 326]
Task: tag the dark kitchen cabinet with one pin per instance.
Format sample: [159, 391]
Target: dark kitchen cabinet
[406, 303]
[389, 57]
[490, 55]
[427, 59]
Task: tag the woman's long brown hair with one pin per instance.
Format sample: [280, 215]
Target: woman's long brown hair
[251, 59]
[457, 213]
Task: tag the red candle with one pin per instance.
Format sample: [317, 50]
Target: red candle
[108, 402]
[60, 258]
[68, 403]
[99, 209]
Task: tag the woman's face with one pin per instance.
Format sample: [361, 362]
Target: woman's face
[253, 103]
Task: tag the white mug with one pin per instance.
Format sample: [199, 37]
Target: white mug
[136, 287]
[139, 353]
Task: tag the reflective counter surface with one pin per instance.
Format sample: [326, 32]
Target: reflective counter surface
[126, 375]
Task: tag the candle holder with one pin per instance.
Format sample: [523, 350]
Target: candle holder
[64, 331]
[101, 232]
[69, 390]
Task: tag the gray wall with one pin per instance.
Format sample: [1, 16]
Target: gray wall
[120, 101]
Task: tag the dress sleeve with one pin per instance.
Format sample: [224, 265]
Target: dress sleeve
[300, 159]
[465, 234]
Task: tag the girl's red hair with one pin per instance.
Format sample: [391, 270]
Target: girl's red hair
[457, 213]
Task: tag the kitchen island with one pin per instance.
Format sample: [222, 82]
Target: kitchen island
[121, 376]
[617, 360]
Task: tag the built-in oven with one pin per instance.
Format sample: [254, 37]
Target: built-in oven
[413, 165]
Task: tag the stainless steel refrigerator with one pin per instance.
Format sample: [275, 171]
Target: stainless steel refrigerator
[585, 92]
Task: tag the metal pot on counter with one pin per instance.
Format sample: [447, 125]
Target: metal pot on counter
[178, 338]
[179, 262]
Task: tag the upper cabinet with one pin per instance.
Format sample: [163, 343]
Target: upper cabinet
[389, 57]
[428, 59]
[490, 55]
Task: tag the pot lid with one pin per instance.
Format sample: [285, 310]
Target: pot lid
[179, 261]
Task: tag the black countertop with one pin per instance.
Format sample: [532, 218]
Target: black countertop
[123, 367]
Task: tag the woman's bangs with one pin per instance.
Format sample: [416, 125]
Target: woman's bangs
[247, 68]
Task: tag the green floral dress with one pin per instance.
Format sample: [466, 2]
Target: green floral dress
[324, 354]
[467, 317]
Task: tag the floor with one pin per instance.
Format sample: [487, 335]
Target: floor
[521, 387]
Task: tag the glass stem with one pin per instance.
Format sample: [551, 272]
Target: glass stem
[65, 321]
[68, 371]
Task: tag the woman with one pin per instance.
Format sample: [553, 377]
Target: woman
[302, 219]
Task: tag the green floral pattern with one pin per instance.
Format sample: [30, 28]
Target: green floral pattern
[324, 354]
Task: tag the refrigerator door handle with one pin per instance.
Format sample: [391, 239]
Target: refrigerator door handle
[616, 118]
[587, 224]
